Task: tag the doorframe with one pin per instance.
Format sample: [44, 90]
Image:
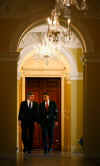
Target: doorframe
[62, 106]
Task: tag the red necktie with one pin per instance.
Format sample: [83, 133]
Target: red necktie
[46, 105]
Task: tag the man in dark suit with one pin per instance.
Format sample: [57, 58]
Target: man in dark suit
[28, 115]
[48, 119]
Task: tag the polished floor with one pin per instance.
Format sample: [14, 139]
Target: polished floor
[51, 159]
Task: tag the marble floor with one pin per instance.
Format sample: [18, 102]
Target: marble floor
[51, 159]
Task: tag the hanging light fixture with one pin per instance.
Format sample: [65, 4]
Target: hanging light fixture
[53, 27]
[63, 9]
[47, 50]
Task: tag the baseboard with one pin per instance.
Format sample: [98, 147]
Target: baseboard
[8, 156]
[92, 156]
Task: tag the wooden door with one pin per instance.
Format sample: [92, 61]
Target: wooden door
[53, 87]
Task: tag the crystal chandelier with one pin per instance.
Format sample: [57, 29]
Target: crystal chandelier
[63, 11]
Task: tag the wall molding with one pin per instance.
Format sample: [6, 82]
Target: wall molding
[9, 56]
[42, 73]
[91, 57]
[77, 76]
[7, 156]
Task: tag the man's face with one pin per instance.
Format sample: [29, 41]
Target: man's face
[31, 98]
[45, 97]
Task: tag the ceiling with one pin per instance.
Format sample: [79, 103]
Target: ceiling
[24, 8]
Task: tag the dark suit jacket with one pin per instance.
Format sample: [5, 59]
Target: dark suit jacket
[27, 114]
[47, 117]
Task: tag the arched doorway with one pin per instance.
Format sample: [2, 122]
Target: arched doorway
[64, 64]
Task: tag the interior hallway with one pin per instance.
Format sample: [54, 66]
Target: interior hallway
[51, 159]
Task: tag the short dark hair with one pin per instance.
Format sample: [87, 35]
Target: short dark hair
[29, 94]
[46, 93]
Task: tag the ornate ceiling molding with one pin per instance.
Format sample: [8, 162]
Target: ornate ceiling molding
[38, 35]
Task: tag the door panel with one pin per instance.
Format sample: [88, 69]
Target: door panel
[53, 87]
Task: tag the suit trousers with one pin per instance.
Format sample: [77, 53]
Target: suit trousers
[47, 136]
[27, 135]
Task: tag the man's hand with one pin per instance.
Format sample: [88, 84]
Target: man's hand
[56, 123]
[19, 122]
[35, 123]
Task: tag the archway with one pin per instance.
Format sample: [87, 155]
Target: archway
[70, 72]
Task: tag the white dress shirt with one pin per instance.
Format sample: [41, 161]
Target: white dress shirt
[28, 103]
[47, 102]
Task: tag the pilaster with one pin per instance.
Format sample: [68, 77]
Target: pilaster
[91, 66]
[8, 104]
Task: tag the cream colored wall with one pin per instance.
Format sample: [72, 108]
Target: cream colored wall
[76, 113]
[67, 114]
[77, 54]
[77, 103]
[20, 97]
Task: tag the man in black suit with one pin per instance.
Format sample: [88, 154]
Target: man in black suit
[48, 119]
[28, 114]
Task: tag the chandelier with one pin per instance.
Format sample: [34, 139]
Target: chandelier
[59, 22]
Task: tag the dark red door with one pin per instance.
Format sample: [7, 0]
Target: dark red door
[53, 87]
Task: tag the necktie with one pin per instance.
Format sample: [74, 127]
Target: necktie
[46, 105]
[30, 105]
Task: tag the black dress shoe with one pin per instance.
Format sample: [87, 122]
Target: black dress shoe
[29, 150]
[45, 151]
